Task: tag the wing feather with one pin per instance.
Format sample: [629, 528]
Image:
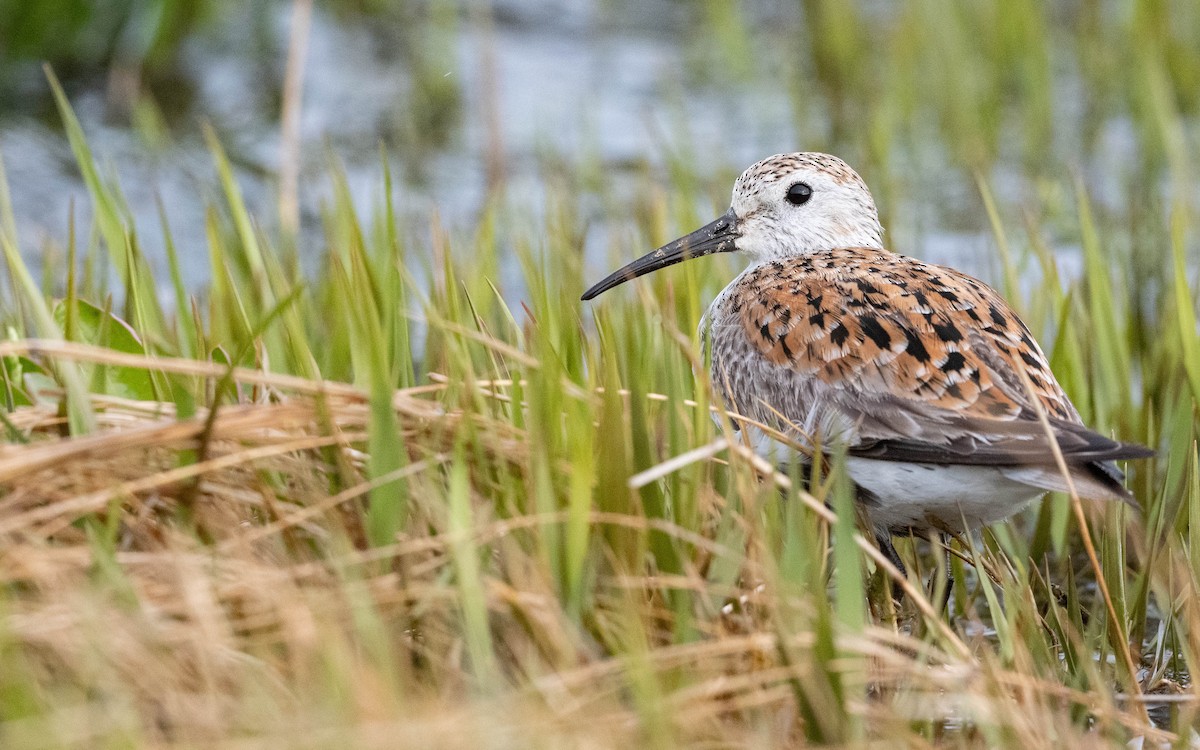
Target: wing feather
[902, 360]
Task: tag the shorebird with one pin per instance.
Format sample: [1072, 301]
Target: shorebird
[924, 375]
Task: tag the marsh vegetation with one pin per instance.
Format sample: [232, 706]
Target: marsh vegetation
[387, 482]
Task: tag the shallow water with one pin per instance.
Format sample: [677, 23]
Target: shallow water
[624, 83]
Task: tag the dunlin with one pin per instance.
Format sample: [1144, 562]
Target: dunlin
[925, 375]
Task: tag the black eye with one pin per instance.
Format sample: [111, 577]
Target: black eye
[799, 194]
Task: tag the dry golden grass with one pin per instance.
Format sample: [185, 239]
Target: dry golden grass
[233, 602]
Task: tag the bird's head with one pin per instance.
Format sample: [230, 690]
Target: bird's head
[784, 206]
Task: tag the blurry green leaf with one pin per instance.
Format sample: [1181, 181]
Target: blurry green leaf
[95, 326]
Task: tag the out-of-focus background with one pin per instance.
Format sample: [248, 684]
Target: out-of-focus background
[468, 97]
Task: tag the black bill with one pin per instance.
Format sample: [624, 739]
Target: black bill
[716, 237]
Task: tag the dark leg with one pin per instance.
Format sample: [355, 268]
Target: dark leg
[945, 538]
[889, 552]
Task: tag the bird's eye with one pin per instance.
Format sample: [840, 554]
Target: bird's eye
[799, 194]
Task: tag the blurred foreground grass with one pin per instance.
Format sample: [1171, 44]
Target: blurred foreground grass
[382, 507]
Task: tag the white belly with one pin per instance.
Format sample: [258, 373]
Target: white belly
[924, 495]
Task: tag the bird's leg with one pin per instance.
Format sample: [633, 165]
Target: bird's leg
[945, 540]
[889, 551]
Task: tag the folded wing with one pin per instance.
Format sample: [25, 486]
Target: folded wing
[917, 362]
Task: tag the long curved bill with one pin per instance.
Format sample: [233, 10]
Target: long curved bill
[715, 237]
